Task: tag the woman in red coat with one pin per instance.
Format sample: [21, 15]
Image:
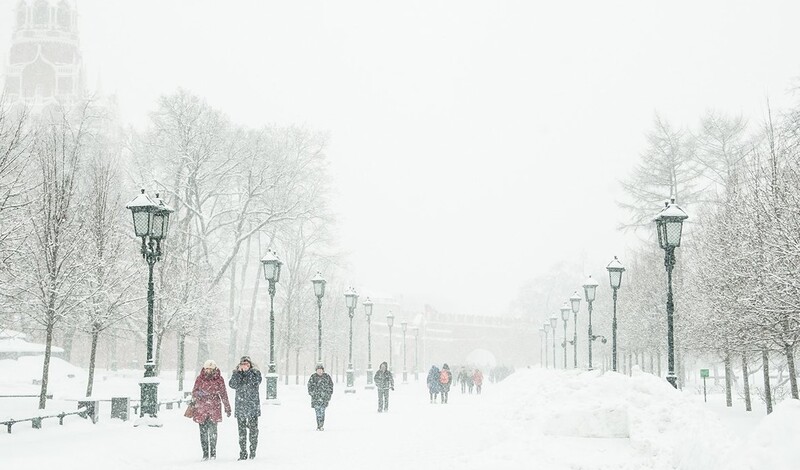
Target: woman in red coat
[477, 378]
[208, 393]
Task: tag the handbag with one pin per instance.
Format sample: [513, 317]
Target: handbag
[189, 413]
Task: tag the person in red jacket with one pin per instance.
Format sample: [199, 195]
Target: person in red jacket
[208, 393]
[477, 378]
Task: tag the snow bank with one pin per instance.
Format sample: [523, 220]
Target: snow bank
[773, 443]
[26, 369]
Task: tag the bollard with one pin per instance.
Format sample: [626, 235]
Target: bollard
[36, 423]
[169, 405]
[120, 408]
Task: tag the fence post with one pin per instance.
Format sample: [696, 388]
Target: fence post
[120, 408]
[36, 423]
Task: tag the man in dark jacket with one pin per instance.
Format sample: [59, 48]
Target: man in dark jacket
[384, 381]
[245, 380]
[320, 387]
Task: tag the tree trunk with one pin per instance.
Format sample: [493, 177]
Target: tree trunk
[233, 315]
[792, 374]
[297, 366]
[48, 348]
[746, 380]
[181, 360]
[157, 356]
[767, 389]
[92, 360]
[728, 373]
[651, 362]
[69, 339]
[658, 361]
[251, 322]
[630, 364]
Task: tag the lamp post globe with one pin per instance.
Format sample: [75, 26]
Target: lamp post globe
[575, 303]
[565, 311]
[390, 324]
[669, 227]
[319, 291]
[368, 312]
[589, 290]
[351, 301]
[151, 224]
[615, 270]
[271, 265]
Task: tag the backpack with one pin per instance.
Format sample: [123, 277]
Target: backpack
[444, 377]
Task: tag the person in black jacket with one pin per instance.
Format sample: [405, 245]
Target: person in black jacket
[245, 380]
[384, 381]
[320, 387]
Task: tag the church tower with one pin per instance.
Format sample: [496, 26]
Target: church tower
[45, 67]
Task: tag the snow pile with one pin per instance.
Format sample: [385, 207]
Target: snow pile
[26, 369]
[773, 443]
[673, 428]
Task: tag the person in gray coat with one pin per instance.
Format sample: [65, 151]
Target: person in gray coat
[384, 382]
[245, 380]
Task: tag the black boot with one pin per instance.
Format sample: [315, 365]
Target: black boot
[242, 455]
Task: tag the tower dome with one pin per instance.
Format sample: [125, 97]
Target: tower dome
[44, 64]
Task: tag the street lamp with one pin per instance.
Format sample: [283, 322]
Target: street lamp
[589, 288]
[404, 326]
[350, 300]
[368, 311]
[669, 223]
[615, 270]
[390, 323]
[542, 346]
[272, 273]
[151, 224]
[553, 323]
[546, 328]
[575, 302]
[416, 354]
[319, 291]
[565, 311]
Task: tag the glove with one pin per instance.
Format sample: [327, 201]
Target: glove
[393, 389]
[228, 413]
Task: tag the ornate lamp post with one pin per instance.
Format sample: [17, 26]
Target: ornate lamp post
[404, 326]
[351, 300]
[546, 328]
[553, 323]
[589, 289]
[575, 302]
[272, 273]
[390, 323]
[542, 345]
[416, 354]
[615, 270]
[319, 291]
[368, 312]
[565, 311]
[151, 224]
[669, 224]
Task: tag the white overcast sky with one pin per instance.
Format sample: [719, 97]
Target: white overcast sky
[473, 144]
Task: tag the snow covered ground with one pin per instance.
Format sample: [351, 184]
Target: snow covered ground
[540, 419]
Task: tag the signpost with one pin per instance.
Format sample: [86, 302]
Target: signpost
[704, 376]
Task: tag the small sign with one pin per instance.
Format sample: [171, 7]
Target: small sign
[703, 373]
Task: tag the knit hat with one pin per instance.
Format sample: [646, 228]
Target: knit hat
[246, 359]
[210, 364]
[319, 366]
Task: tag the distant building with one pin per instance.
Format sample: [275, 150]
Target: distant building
[45, 67]
[13, 345]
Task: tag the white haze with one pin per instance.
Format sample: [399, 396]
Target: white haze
[472, 144]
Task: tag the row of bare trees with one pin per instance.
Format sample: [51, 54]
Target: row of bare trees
[69, 266]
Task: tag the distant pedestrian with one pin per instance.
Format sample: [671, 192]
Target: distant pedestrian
[320, 387]
[470, 383]
[433, 383]
[477, 377]
[208, 394]
[445, 379]
[461, 378]
[384, 381]
[245, 380]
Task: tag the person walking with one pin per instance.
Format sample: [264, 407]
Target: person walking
[384, 381]
[208, 394]
[445, 379]
[320, 387]
[433, 383]
[477, 378]
[470, 382]
[245, 380]
[462, 377]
